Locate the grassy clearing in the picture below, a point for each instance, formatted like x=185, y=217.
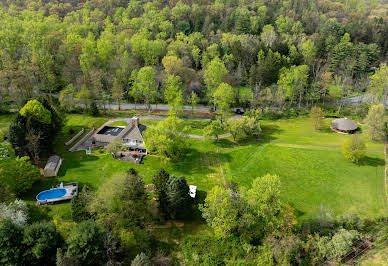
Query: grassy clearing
x=313, y=171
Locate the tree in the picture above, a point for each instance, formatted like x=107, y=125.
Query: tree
x=114, y=147
x=354, y=149
x=172, y=65
x=18, y=174
x=167, y=139
x=378, y=87
x=178, y=197
x=86, y=243
x=173, y=95
x=219, y=211
x=78, y=205
x=317, y=116
x=193, y=101
x=268, y=35
x=375, y=122
x=134, y=199
x=263, y=199
x=236, y=128
x=214, y=74
x=16, y=211
x=160, y=180
x=214, y=129
x=145, y=85
x=294, y=81
x=33, y=110
x=141, y=260
x=11, y=245
x=41, y=240
x=117, y=92
x=223, y=98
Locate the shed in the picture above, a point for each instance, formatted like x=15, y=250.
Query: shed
x=344, y=125
x=52, y=167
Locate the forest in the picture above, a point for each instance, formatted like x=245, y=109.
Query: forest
x=262, y=177
x=274, y=53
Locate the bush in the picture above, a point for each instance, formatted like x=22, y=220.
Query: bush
x=354, y=149
x=11, y=248
x=86, y=243
x=141, y=260
x=78, y=205
x=41, y=240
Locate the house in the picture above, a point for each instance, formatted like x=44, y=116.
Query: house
x=52, y=166
x=343, y=125
x=131, y=135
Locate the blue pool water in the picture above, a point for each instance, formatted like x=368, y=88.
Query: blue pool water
x=51, y=194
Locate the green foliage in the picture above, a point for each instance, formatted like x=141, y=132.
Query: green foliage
x=173, y=95
x=223, y=98
x=376, y=122
x=378, y=87
x=18, y=174
x=214, y=129
x=167, y=139
x=78, y=205
x=317, y=117
x=141, y=260
x=145, y=85
x=41, y=240
x=214, y=74
x=160, y=180
x=34, y=111
x=86, y=243
x=179, y=205
x=354, y=149
x=11, y=247
x=220, y=212
x=294, y=82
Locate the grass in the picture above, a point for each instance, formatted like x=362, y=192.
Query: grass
x=312, y=169
x=5, y=121
x=118, y=124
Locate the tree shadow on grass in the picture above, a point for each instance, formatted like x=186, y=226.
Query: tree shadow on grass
x=372, y=161
x=196, y=162
x=266, y=136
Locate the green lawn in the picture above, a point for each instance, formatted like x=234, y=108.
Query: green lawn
x=5, y=121
x=313, y=171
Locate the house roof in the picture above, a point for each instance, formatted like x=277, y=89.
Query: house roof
x=134, y=133
x=344, y=124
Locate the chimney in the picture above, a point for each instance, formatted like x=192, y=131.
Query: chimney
x=135, y=121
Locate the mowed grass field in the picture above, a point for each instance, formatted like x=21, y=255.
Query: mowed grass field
x=314, y=174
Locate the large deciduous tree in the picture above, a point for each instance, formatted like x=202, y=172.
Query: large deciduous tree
x=376, y=122
x=223, y=98
x=145, y=85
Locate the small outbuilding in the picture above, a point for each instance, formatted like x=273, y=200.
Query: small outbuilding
x=52, y=167
x=192, y=191
x=343, y=125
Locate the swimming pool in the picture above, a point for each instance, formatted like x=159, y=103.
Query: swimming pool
x=51, y=194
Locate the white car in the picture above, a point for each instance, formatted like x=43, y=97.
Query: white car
x=193, y=191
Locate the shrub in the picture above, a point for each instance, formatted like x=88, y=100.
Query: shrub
x=354, y=149
x=86, y=243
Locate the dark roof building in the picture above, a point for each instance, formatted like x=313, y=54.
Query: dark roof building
x=344, y=125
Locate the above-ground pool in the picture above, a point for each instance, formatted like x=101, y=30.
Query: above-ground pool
x=51, y=194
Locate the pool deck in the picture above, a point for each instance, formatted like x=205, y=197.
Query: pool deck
x=71, y=191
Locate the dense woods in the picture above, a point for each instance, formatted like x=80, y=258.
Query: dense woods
x=273, y=53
